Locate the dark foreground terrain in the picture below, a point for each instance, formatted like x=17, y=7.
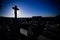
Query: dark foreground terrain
x=35, y=28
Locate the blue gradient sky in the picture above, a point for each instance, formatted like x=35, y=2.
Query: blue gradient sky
x=29, y=8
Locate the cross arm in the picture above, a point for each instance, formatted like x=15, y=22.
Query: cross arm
x=15, y=8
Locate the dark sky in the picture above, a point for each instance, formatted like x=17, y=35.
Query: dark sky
x=29, y=8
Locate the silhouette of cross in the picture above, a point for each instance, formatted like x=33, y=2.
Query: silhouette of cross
x=15, y=11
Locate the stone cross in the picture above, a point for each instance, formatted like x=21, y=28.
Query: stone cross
x=15, y=11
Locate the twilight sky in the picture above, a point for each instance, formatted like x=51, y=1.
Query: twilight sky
x=29, y=8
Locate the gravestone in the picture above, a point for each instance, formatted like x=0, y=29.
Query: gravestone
x=15, y=11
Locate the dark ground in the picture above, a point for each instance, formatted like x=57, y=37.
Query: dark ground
x=38, y=28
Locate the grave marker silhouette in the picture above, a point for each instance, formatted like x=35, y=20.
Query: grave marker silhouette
x=15, y=11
